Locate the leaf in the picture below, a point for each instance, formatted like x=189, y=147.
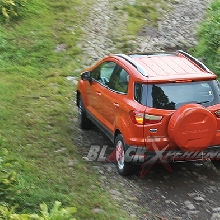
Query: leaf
x=5, y=181
x=44, y=209
x=35, y=216
x=14, y=13
x=56, y=207
x=71, y=210
x=4, y=12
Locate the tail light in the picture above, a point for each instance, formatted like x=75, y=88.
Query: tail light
x=142, y=119
x=217, y=113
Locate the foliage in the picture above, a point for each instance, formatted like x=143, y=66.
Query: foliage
x=10, y=8
x=56, y=213
x=7, y=176
x=37, y=110
x=209, y=38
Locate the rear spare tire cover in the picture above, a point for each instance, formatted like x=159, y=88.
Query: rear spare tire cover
x=192, y=127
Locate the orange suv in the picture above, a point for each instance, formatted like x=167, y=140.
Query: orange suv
x=153, y=102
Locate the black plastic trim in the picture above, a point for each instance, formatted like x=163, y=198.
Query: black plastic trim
x=133, y=63
x=196, y=61
x=105, y=130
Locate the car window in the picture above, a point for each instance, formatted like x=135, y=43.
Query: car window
x=172, y=96
x=103, y=72
x=119, y=80
x=138, y=92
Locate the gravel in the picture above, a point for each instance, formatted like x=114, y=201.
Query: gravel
x=177, y=28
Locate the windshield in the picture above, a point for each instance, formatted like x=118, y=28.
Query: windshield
x=174, y=95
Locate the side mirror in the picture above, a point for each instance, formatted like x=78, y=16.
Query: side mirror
x=86, y=76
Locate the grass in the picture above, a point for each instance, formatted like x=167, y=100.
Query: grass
x=141, y=13
x=36, y=108
x=144, y=13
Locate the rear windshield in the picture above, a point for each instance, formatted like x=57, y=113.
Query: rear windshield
x=174, y=95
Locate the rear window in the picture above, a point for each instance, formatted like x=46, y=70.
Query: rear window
x=172, y=96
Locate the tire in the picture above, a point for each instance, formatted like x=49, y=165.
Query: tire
x=124, y=168
x=84, y=122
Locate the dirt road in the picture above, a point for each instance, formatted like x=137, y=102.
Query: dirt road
x=189, y=191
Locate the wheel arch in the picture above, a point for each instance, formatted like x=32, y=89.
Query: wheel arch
x=121, y=127
x=117, y=132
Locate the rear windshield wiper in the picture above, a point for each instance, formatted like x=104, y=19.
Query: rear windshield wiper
x=202, y=102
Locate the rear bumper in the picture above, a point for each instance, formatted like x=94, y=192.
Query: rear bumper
x=139, y=154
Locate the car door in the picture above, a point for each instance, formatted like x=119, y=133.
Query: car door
x=115, y=96
x=96, y=89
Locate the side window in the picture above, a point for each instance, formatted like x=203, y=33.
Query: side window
x=119, y=80
x=96, y=73
x=138, y=92
x=103, y=72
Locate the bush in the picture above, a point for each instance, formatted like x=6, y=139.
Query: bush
x=209, y=38
x=56, y=213
x=8, y=182
x=10, y=8
x=7, y=176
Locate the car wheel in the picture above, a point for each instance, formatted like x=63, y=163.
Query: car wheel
x=124, y=168
x=84, y=122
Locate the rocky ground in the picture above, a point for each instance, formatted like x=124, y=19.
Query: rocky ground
x=176, y=28
x=190, y=191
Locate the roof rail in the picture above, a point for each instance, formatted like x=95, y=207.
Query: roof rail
x=133, y=63
x=196, y=61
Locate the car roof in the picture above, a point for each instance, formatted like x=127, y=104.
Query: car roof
x=167, y=65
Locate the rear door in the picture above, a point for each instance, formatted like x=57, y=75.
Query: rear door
x=115, y=97
x=164, y=100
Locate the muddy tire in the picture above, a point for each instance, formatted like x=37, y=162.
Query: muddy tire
x=124, y=168
x=84, y=122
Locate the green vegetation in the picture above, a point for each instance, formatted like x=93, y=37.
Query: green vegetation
x=7, y=176
x=145, y=12
x=10, y=8
x=37, y=52
x=56, y=213
x=209, y=38
x=140, y=13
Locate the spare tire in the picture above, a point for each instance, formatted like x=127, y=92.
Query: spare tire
x=192, y=127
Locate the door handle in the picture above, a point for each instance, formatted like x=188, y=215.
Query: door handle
x=99, y=93
x=116, y=105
